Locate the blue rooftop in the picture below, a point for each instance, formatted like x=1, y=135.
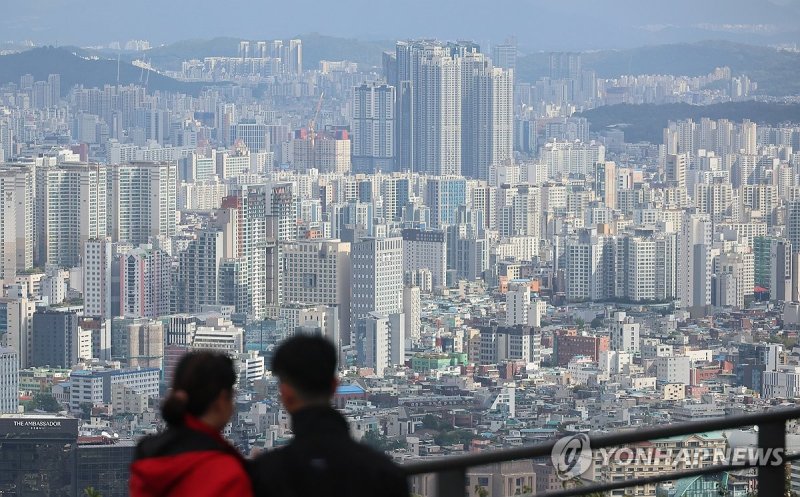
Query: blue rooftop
x=349, y=390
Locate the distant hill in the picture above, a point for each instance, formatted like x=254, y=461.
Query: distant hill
x=170, y=57
x=77, y=70
x=646, y=122
x=316, y=47
x=777, y=72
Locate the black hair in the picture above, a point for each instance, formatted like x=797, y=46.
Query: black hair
x=198, y=380
x=307, y=363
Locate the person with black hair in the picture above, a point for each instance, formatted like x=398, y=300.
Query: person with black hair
x=322, y=459
x=191, y=457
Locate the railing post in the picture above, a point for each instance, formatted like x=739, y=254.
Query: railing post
x=771, y=476
x=451, y=483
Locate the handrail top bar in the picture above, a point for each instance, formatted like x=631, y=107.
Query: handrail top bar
x=600, y=441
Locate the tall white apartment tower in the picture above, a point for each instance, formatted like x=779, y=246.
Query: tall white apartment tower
x=372, y=128
x=793, y=224
x=21, y=178
x=142, y=201
x=384, y=341
x=412, y=308
x=487, y=125
x=624, y=334
x=695, y=263
x=74, y=211
x=675, y=170
x=97, y=278
x=8, y=225
x=518, y=303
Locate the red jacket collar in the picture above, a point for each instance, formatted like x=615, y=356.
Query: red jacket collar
x=196, y=424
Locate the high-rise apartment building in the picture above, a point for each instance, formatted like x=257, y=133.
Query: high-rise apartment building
x=74, y=211
x=429, y=108
x=372, y=128
x=675, y=170
x=384, y=341
x=145, y=282
x=197, y=283
x=694, y=263
x=97, y=262
x=624, y=333
x=142, y=200
x=487, y=124
x=505, y=55
x=589, y=266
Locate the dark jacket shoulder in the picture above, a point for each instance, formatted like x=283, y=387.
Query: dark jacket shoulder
x=323, y=459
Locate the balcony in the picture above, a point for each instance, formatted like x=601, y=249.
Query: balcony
x=451, y=472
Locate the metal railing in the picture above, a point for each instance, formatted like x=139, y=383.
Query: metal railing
x=451, y=472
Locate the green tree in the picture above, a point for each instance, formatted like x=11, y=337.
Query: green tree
x=481, y=491
x=43, y=402
x=380, y=442
x=432, y=422
x=91, y=492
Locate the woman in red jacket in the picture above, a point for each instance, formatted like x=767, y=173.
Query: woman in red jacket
x=191, y=457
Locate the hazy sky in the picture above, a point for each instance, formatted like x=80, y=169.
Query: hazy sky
x=537, y=24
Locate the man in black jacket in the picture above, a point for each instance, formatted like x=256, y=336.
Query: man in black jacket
x=322, y=459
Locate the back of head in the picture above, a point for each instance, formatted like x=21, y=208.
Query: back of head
x=198, y=381
x=308, y=364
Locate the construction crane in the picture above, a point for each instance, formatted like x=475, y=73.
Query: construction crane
x=312, y=131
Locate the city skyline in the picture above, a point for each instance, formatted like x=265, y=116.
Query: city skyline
x=506, y=242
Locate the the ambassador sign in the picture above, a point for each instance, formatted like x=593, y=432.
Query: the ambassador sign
x=21, y=427
x=38, y=424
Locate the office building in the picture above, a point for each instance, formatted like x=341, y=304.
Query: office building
x=37, y=454
x=96, y=386
x=146, y=345
x=319, y=272
x=9, y=380
x=425, y=249
x=16, y=323
x=377, y=277
x=444, y=195
x=56, y=339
